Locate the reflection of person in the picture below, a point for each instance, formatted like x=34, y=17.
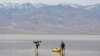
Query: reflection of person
x=36, y=54
x=37, y=44
x=62, y=46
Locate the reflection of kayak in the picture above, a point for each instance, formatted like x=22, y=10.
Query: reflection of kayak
x=56, y=50
x=56, y=53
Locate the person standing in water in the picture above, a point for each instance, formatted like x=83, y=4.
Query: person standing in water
x=37, y=44
x=62, y=46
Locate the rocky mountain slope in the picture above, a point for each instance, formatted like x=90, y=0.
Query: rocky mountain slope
x=31, y=18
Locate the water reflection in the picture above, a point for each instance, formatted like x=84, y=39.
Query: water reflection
x=36, y=53
x=59, y=53
x=48, y=53
x=63, y=53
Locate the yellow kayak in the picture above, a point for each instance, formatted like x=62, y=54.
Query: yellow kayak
x=56, y=50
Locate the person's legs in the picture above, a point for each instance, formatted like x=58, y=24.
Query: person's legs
x=36, y=47
x=62, y=47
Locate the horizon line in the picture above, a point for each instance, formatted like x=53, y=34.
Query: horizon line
x=50, y=37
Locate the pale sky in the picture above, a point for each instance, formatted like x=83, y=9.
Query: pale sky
x=82, y=2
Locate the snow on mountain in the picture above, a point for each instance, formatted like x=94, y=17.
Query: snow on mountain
x=90, y=7
x=75, y=5
x=13, y=5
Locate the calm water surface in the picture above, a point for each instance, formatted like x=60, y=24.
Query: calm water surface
x=47, y=52
x=26, y=48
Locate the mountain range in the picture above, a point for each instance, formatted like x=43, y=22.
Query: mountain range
x=69, y=19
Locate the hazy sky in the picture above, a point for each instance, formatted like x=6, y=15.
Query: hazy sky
x=82, y=2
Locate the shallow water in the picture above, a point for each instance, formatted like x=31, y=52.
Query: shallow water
x=26, y=48
x=47, y=52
